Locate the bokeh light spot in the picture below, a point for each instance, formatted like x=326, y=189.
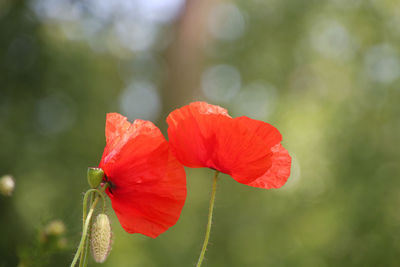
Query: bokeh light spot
x=226, y=22
x=382, y=63
x=135, y=35
x=331, y=39
x=220, y=83
x=160, y=10
x=256, y=100
x=21, y=54
x=54, y=114
x=140, y=100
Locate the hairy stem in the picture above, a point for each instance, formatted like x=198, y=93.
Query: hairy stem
x=84, y=232
x=85, y=250
x=209, y=223
x=82, y=248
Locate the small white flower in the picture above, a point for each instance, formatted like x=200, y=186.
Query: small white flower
x=7, y=185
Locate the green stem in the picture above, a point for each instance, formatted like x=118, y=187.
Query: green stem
x=84, y=232
x=86, y=222
x=85, y=250
x=210, y=214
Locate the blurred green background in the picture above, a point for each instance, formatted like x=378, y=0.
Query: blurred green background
x=325, y=73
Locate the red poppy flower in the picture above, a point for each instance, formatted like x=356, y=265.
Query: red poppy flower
x=204, y=135
x=147, y=183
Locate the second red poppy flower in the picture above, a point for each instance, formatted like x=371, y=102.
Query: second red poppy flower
x=204, y=135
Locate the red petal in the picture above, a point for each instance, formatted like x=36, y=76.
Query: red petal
x=279, y=172
x=191, y=132
x=248, y=154
x=204, y=135
x=117, y=133
x=149, y=184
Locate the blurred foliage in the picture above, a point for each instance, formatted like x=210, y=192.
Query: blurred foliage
x=325, y=73
x=45, y=249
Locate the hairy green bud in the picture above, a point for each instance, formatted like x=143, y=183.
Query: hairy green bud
x=101, y=238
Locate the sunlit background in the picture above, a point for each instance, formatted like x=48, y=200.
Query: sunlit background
x=325, y=73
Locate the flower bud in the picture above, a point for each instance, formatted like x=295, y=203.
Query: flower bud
x=101, y=238
x=7, y=185
x=55, y=228
x=95, y=176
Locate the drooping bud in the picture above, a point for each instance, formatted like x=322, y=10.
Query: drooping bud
x=101, y=238
x=7, y=185
x=95, y=176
